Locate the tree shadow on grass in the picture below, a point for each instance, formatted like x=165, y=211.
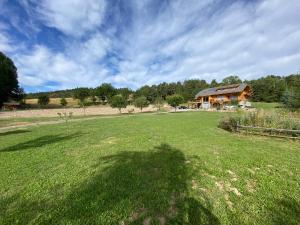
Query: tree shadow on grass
x=13, y=132
x=39, y=142
x=131, y=188
x=285, y=211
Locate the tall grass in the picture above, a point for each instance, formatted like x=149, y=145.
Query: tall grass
x=261, y=118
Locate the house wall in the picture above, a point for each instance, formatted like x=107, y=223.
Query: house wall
x=226, y=98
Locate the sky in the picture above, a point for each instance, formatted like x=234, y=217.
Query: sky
x=60, y=44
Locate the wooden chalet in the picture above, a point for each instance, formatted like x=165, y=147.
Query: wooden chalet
x=10, y=105
x=218, y=97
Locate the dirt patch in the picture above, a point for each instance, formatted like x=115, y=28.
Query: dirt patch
x=93, y=110
x=226, y=188
x=162, y=220
x=251, y=186
x=147, y=221
x=220, y=185
x=135, y=216
x=110, y=140
x=172, y=211
x=194, y=184
x=251, y=171
x=228, y=202
x=235, y=191
x=209, y=175
x=232, y=175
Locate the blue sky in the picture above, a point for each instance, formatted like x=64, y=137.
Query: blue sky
x=58, y=44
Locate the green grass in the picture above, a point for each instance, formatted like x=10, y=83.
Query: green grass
x=6, y=122
x=13, y=121
x=266, y=105
x=177, y=167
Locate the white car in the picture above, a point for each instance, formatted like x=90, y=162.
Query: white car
x=230, y=107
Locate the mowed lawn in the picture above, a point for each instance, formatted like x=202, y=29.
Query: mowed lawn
x=175, y=168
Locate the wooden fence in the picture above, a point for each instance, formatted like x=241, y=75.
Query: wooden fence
x=270, y=132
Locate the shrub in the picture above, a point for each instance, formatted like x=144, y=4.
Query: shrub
x=229, y=124
x=43, y=100
x=141, y=102
x=291, y=99
x=118, y=101
x=276, y=120
x=63, y=102
x=174, y=100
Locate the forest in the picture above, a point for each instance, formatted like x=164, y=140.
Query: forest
x=270, y=88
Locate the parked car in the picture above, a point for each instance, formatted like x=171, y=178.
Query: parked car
x=229, y=107
x=182, y=107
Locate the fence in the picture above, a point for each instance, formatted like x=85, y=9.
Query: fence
x=271, y=132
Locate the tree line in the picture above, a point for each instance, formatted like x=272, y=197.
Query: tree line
x=267, y=89
x=271, y=88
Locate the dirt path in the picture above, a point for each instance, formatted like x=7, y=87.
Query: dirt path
x=89, y=111
x=36, y=124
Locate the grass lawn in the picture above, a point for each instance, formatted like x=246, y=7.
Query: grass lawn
x=266, y=105
x=6, y=122
x=175, y=168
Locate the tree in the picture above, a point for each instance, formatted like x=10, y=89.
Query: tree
x=291, y=99
x=118, y=101
x=141, y=102
x=94, y=99
x=82, y=94
x=125, y=92
x=159, y=103
x=231, y=80
x=213, y=83
x=43, y=100
x=63, y=102
x=174, y=100
x=105, y=91
x=191, y=87
x=9, y=87
x=149, y=92
x=268, y=89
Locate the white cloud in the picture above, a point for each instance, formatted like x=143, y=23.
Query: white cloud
x=172, y=41
x=241, y=39
x=5, y=42
x=42, y=66
x=73, y=17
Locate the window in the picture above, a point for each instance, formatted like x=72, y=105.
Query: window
x=220, y=97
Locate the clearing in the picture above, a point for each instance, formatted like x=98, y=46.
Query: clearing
x=174, y=168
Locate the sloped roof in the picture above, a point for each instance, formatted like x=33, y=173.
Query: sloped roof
x=228, y=89
x=11, y=103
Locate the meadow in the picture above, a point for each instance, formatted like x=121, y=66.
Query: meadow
x=172, y=168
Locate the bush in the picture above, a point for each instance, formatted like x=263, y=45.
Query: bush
x=141, y=102
x=229, y=124
x=63, y=102
x=291, y=99
x=174, y=100
x=276, y=120
x=118, y=101
x=43, y=100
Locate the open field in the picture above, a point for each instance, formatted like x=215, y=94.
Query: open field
x=53, y=102
x=89, y=111
x=175, y=168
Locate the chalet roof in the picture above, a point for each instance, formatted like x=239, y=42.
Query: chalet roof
x=228, y=89
x=11, y=103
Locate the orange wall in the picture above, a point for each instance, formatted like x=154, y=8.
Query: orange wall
x=243, y=96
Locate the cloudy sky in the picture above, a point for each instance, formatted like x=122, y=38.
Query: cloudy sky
x=58, y=44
